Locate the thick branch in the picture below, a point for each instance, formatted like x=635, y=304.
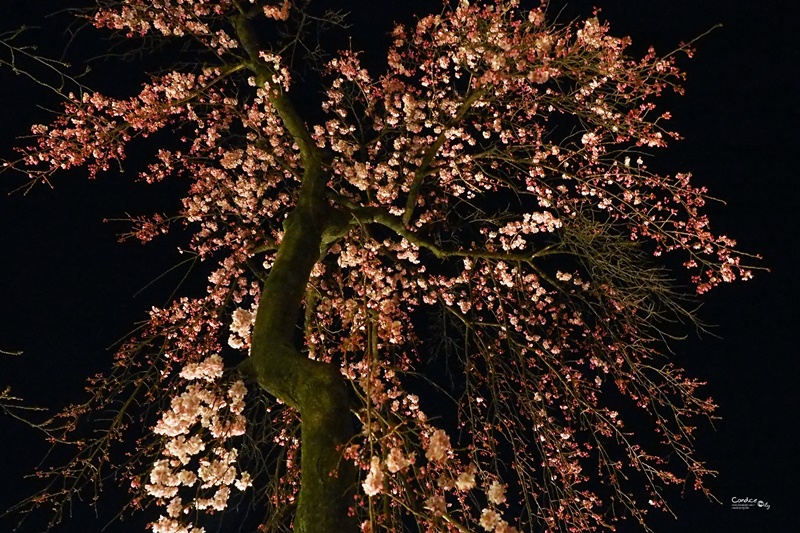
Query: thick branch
x=369, y=215
x=264, y=74
x=427, y=159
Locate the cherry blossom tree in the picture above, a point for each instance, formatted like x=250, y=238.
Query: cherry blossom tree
x=485, y=199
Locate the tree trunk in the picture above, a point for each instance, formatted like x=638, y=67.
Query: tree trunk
x=316, y=389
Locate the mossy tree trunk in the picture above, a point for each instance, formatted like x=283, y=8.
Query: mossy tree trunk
x=318, y=390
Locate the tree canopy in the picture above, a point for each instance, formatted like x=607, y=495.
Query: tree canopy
x=440, y=301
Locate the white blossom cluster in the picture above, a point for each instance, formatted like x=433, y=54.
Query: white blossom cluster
x=241, y=327
x=438, y=447
x=396, y=461
x=438, y=450
x=512, y=235
x=202, y=412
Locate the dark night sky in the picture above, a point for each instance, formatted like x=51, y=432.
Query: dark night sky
x=67, y=288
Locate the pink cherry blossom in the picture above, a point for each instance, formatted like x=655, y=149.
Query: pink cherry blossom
x=373, y=484
x=438, y=446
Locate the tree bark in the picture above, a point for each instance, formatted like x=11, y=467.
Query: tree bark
x=316, y=389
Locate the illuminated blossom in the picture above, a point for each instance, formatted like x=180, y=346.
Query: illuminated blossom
x=489, y=519
x=210, y=369
x=436, y=504
x=241, y=325
x=466, y=480
x=496, y=493
x=396, y=461
x=438, y=446
x=373, y=483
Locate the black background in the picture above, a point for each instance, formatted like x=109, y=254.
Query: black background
x=67, y=288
